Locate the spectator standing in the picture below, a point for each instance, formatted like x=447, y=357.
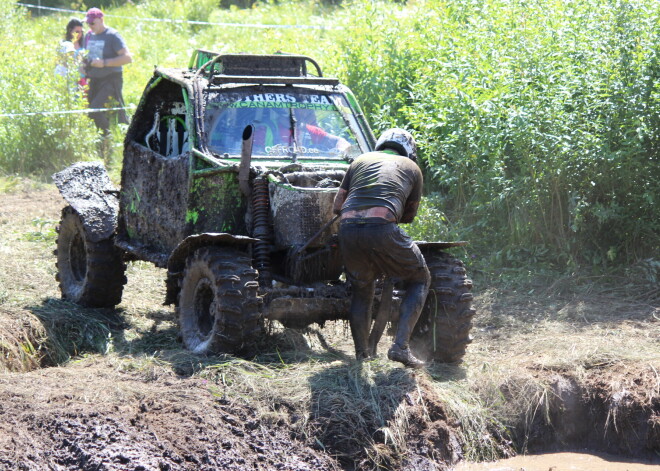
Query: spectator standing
x=107, y=53
x=71, y=53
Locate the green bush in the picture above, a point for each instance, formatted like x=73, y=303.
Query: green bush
x=537, y=121
x=72, y=5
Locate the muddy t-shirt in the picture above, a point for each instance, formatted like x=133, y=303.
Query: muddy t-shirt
x=104, y=46
x=382, y=179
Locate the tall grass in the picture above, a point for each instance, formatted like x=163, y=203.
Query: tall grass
x=537, y=121
x=36, y=144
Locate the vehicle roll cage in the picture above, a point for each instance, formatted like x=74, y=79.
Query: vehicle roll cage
x=257, y=69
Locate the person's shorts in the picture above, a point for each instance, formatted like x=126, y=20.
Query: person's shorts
x=372, y=247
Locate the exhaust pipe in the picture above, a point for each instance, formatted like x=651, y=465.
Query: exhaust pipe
x=246, y=159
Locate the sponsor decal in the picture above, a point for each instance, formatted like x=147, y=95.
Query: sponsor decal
x=281, y=100
x=287, y=98
x=281, y=149
x=279, y=104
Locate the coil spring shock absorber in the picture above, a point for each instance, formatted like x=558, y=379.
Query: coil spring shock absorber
x=261, y=230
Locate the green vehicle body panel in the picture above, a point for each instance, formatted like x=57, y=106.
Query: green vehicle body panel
x=169, y=195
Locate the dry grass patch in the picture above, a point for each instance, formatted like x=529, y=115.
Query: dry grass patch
x=21, y=339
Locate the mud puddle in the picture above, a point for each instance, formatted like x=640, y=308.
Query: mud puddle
x=562, y=462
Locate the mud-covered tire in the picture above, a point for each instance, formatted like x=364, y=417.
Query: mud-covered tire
x=442, y=332
x=219, y=309
x=91, y=274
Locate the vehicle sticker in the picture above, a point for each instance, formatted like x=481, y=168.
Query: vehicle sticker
x=281, y=104
x=287, y=98
x=279, y=100
x=281, y=149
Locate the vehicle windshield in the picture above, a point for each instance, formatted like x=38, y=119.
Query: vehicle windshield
x=306, y=125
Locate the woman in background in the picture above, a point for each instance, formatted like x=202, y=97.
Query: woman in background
x=71, y=53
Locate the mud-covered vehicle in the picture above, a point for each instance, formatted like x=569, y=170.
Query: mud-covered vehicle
x=229, y=174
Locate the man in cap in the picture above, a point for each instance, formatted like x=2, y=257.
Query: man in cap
x=107, y=53
x=380, y=190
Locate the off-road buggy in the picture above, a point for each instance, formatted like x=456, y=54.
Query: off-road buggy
x=229, y=174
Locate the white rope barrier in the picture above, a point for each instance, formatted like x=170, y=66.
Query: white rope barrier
x=167, y=20
x=47, y=113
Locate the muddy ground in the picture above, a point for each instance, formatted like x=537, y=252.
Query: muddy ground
x=551, y=368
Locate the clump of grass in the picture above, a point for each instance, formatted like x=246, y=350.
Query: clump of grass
x=13, y=183
x=483, y=432
x=367, y=414
x=277, y=391
x=9, y=183
x=44, y=231
x=356, y=416
x=71, y=330
x=21, y=338
x=150, y=367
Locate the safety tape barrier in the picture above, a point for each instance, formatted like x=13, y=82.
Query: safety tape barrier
x=192, y=22
x=46, y=113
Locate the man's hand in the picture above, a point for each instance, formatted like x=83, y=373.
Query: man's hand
x=339, y=200
x=123, y=58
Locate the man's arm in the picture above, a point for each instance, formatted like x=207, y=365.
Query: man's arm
x=339, y=200
x=409, y=212
x=319, y=135
x=124, y=57
x=412, y=203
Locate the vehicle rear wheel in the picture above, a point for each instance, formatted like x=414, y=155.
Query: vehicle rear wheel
x=91, y=274
x=219, y=310
x=443, y=330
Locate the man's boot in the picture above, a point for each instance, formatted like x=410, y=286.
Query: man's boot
x=404, y=355
x=360, y=319
x=360, y=339
x=411, y=308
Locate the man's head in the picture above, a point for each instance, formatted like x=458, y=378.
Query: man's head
x=94, y=19
x=400, y=141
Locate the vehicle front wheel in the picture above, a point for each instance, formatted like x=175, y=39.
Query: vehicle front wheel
x=91, y=274
x=219, y=310
x=443, y=330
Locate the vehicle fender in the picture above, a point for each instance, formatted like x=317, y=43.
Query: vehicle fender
x=177, y=260
x=432, y=246
x=86, y=186
x=428, y=248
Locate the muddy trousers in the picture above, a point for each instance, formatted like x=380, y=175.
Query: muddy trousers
x=106, y=92
x=372, y=247
x=360, y=315
x=360, y=318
